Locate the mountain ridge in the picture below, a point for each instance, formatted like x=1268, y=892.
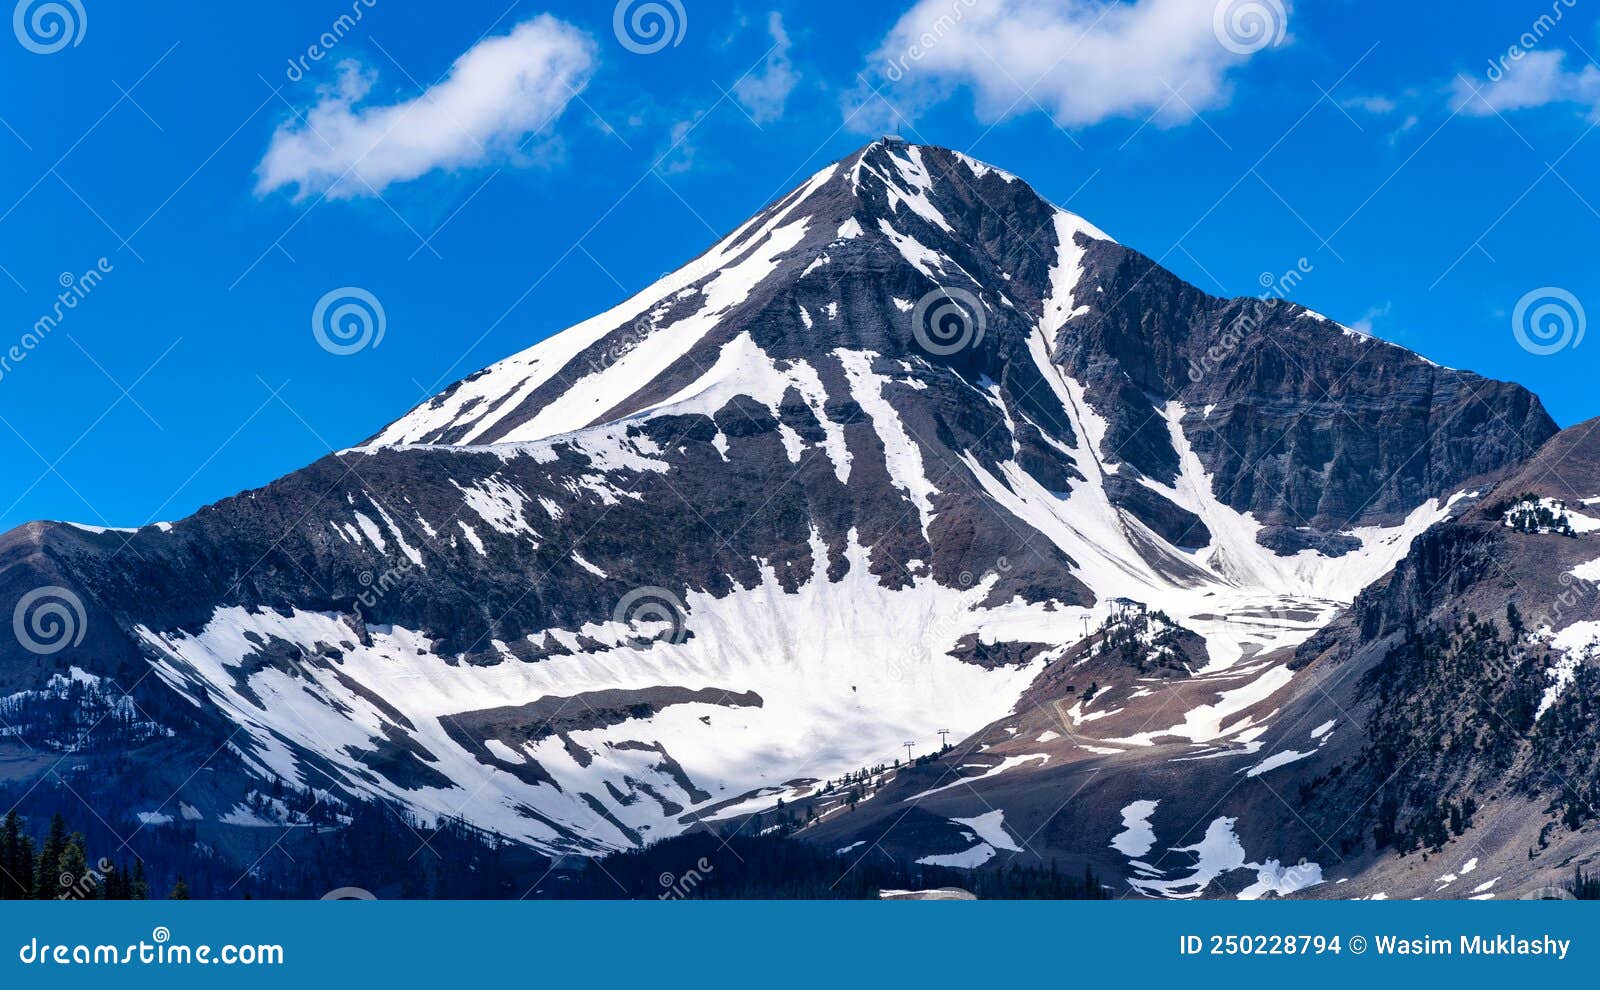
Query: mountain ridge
x=870, y=468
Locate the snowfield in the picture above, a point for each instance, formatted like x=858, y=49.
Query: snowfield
x=844, y=695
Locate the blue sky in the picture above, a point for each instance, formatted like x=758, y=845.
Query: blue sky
x=1431, y=174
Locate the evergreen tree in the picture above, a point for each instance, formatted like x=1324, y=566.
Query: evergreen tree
x=45, y=878
x=180, y=891
x=114, y=884
x=15, y=881
x=70, y=878
x=1584, y=887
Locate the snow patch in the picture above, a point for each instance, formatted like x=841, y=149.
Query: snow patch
x=902, y=455
x=991, y=828
x=1137, y=838
x=1219, y=853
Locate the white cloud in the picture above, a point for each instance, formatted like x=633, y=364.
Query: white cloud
x=764, y=93
x=679, y=154
x=1369, y=320
x=1388, y=108
x=1378, y=106
x=1536, y=79
x=1081, y=61
x=498, y=93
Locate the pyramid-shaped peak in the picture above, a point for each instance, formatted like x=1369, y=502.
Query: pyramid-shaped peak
x=923, y=176
x=910, y=218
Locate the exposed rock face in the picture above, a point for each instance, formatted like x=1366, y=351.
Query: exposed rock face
x=1450, y=712
x=858, y=474
x=1302, y=427
x=1478, y=662
x=1476, y=562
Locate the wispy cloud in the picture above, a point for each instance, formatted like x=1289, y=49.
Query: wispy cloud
x=764, y=93
x=1368, y=322
x=1376, y=105
x=500, y=92
x=1537, y=79
x=1400, y=114
x=1081, y=61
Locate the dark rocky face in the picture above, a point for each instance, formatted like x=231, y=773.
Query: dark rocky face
x=1435, y=740
x=861, y=472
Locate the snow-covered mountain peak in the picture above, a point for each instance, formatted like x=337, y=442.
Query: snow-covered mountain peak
x=871, y=467
x=928, y=218
x=908, y=174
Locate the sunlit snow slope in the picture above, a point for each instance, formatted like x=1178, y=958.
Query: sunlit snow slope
x=858, y=474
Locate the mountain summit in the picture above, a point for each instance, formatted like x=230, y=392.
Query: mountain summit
x=911, y=450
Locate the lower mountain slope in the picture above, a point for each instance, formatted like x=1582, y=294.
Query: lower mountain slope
x=1435, y=740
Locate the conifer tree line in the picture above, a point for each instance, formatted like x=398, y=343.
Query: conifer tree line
x=59, y=867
